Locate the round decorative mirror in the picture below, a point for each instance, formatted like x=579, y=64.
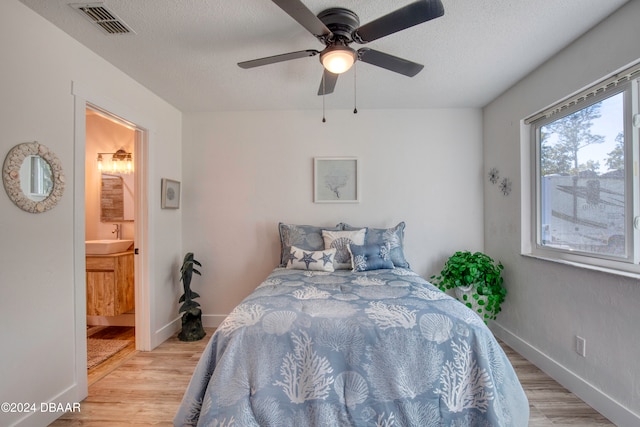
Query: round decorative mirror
x=33, y=177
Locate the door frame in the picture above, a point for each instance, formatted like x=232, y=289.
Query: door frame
x=83, y=99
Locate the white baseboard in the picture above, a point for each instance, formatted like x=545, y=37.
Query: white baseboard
x=173, y=327
x=601, y=402
x=68, y=398
x=166, y=332
x=212, y=320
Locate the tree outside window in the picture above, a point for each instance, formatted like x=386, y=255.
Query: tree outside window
x=582, y=180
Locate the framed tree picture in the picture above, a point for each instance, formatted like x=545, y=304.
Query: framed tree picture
x=336, y=180
x=170, y=194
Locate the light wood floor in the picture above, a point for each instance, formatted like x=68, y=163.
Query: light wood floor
x=550, y=404
x=147, y=388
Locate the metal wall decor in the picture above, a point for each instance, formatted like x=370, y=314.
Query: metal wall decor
x=505, y=183
x=494, y=175
x=505, y=186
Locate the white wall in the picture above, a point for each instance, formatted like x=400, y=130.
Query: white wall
x=38, y=266
x=549, y=304
x=243, y=172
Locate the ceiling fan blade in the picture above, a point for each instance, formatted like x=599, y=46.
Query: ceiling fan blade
x=405, y=17
x=278, y=58
x=389, y=62
x=328, y=83
x=298, y=11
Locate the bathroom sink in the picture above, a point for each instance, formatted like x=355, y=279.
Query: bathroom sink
x=105, y=247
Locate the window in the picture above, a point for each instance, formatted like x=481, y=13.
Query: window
x=585, y=184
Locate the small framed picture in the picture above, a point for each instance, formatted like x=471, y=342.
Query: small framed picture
x=336, y=180
x=170, y=194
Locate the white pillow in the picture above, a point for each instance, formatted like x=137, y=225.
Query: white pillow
x=340, y=240
x=302, y=259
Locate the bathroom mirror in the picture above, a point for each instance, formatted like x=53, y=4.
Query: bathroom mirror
x=116, y=199
x=33, y=177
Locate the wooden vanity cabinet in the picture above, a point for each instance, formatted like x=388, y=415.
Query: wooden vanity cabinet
x=110, y=284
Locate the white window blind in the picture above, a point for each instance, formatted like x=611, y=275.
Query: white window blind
x=623, y=76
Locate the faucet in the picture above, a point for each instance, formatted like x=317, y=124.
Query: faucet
x=117, y=231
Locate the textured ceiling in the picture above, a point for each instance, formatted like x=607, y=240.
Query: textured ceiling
x=186, y=51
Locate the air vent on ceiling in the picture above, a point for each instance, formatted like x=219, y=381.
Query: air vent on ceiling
x=99, y=15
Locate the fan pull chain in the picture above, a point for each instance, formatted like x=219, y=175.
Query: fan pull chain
x=355, y=96
x=323, y=94
x=323, y=118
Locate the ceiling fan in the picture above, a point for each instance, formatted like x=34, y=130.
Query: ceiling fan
x=337, y=28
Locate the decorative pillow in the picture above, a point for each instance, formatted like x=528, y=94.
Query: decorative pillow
x=300, y=259
x=379, y=236
x=340, y=240
x=370, y=257
x=306, y=237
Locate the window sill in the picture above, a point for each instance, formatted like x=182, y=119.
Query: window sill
x=608, y=270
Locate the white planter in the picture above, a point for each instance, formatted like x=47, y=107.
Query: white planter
x=461, y=291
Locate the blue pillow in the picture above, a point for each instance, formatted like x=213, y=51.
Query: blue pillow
x=379, y=236
x=370, y=257
x=307, y=237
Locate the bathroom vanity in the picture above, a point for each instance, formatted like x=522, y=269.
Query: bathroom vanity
x=110, y=284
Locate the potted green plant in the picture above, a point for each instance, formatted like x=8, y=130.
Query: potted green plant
x=477, y=281
x=192, y=329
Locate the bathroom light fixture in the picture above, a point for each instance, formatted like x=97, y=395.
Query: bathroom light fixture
x=338, y=58
x=121, y=162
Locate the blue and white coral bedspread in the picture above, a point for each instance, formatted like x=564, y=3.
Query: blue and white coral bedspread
x=378, y=348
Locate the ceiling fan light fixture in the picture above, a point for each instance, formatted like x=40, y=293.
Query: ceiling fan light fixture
x=337, y=59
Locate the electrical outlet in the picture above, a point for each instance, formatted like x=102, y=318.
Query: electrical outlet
x=581, y=346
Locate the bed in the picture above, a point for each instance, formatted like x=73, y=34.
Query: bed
x=371, y=345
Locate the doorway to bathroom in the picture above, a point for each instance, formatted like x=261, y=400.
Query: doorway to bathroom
x=111, y=222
